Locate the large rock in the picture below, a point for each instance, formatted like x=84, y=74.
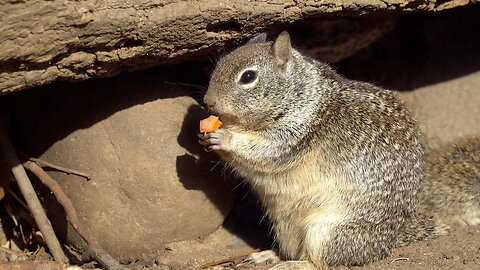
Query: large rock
x=137, y=140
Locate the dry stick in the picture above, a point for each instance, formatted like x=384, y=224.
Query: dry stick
x=43, y=163
x=229, y=259
x=29, y=194
x=10, y=251
x=400, y=259
x=20, y=201
x=100, y=255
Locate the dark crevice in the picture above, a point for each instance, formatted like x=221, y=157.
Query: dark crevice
x=225, y=27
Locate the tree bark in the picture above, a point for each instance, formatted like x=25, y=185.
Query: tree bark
x=42, y=41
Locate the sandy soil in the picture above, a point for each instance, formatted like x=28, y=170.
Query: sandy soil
x=458, y=250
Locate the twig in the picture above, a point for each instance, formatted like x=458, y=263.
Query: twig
x=10, y=251
x=43, y=163
x=20, y=201
x=229, y=259
x=100, y=255
x=400, y=259
x=23, y=213
x=22, y=234
x=29, y=193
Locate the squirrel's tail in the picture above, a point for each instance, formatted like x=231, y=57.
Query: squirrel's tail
x=451, y=187
x=450, y=190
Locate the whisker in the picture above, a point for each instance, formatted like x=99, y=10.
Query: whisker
x=213, y=61
x=214, y=166
x=241, y=182
x=186, y=84
x=198, y=93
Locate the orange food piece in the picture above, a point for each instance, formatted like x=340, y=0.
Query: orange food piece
x=210, y=124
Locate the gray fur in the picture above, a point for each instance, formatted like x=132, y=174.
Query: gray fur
x=336, y=163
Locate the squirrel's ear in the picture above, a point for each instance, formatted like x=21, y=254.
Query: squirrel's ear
x=282, y=50
x=260, y=38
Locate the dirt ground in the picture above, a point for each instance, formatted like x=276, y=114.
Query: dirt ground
x=245, y=232
x=458, y=250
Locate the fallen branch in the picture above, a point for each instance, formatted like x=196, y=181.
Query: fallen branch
x=100, y=255
x=29, y=194
x=83, y=39
x=43, y=164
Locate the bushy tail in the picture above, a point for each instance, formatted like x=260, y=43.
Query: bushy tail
x=450, y=190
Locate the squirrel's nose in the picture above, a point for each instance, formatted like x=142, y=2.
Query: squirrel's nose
x=209, y=101
x=211, y=105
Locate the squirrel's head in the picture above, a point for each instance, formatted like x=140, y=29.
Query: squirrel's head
x=249, y=85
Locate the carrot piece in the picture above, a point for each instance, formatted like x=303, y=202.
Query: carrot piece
x=210, y=124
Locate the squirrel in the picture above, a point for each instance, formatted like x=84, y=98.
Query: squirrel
x=340, y=166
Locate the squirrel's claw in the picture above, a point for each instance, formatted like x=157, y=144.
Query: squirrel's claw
x=212, y=141
x=262, y=257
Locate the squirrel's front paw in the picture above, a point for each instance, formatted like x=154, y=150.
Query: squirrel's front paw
x=216, y=140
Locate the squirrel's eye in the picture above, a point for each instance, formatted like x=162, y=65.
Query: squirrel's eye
x=248, y=76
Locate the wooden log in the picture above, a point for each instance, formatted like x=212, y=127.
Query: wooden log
x=42, y=41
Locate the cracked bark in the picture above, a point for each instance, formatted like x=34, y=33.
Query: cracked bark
x=42, y=41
